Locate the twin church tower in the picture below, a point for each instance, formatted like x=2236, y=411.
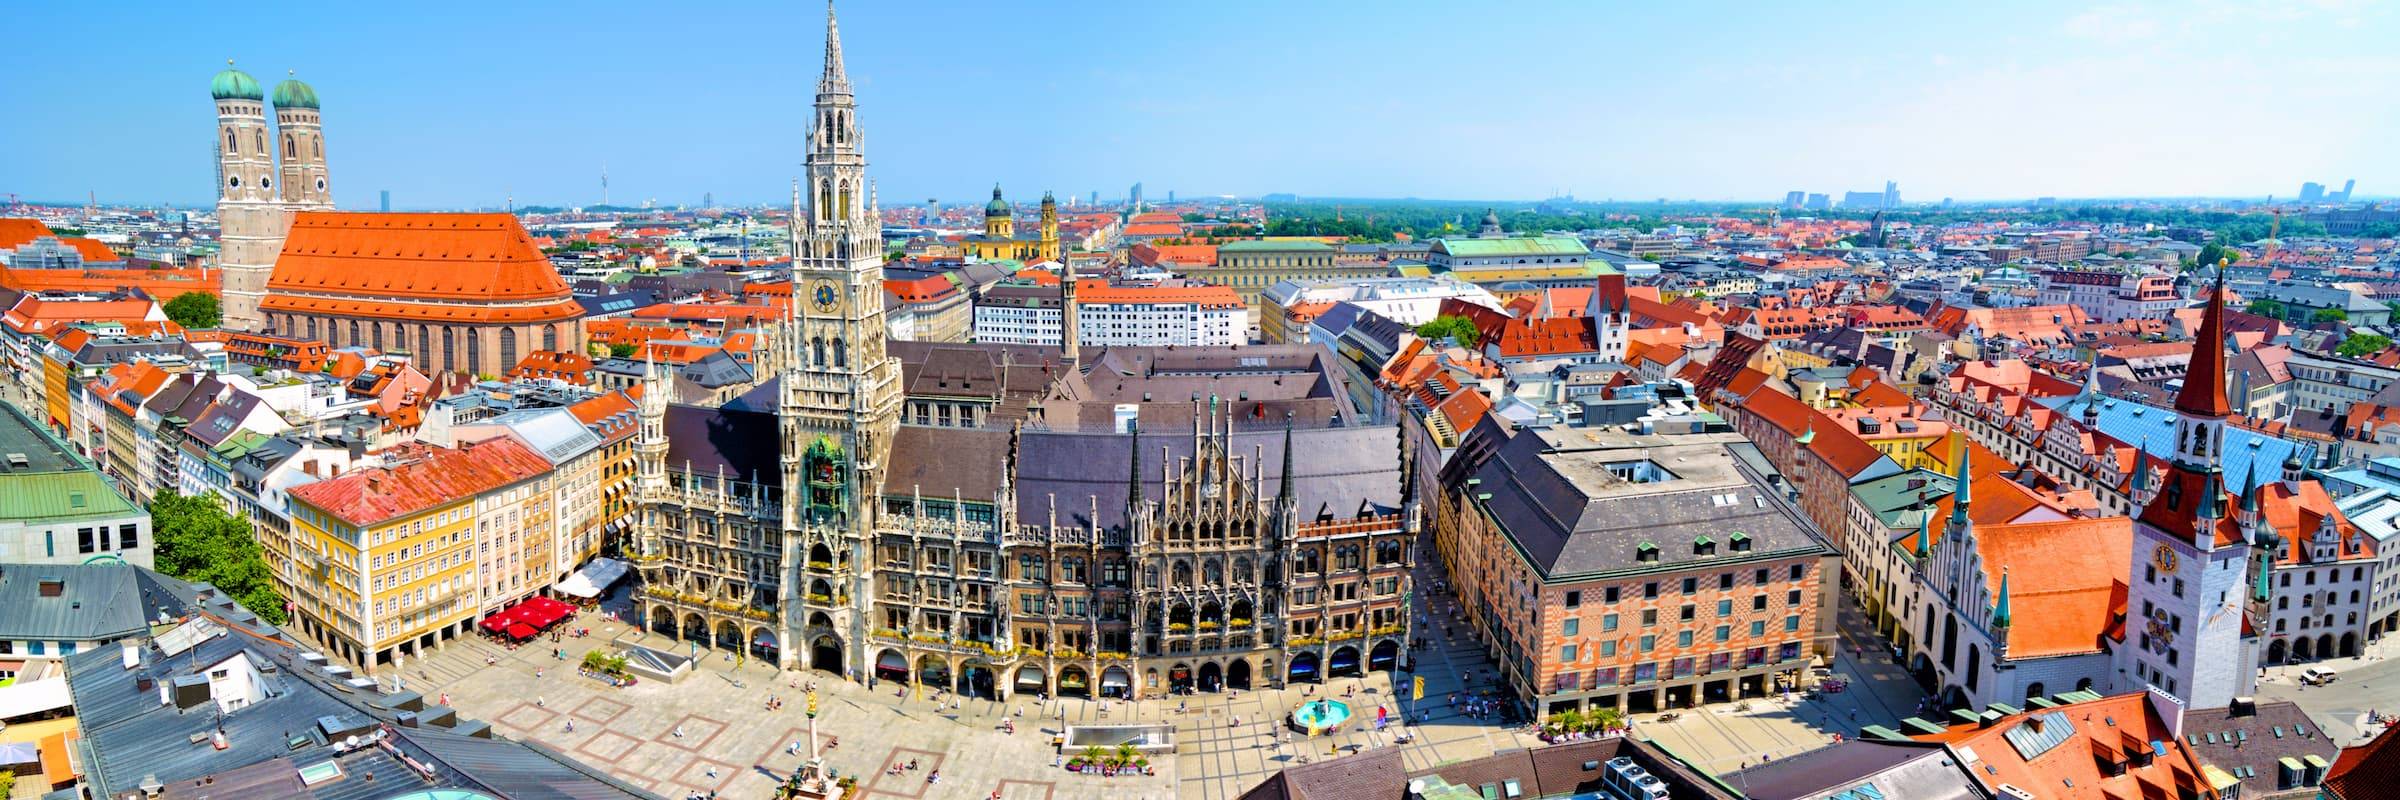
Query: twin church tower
x=263, y=176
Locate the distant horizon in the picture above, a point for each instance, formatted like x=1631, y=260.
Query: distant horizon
x=2237, y=99
x=1774, y=203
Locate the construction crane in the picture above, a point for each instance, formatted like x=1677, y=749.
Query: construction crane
x=2274, y=230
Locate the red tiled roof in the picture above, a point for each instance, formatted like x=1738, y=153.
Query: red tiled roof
x=19, y=230
x=1095, y=290
x=454, y=267
x=2369, y=771
x=422, y=477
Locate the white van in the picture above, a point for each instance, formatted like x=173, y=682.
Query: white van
x=2317, y=676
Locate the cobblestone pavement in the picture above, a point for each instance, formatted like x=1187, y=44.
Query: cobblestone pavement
x=712, y=730
x=1726, y=737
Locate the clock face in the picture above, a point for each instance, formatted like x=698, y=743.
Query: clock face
x=2164, y=558
x=824, y=296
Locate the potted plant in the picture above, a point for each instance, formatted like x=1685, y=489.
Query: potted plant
x=1094, y=756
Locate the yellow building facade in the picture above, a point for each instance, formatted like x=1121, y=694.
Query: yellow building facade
x=391, y=561
x=999, y=240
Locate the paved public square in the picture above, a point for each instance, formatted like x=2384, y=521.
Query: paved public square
x=2367, y=682
x=1226, y=743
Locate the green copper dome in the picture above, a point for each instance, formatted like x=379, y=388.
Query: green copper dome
x=998, y=207
x=293, y=94
x=234, y=84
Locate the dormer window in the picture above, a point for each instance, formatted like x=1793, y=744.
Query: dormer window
x=1646, y=553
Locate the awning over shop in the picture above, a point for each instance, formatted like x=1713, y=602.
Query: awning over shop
x=594, y=578
x=519, y=630
x=34, y=697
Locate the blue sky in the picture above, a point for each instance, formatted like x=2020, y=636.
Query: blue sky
x=452, y=105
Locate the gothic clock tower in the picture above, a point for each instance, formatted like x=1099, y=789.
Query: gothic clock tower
x=840, y=400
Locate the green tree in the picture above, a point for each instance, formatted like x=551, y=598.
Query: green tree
x=2210, y=254
x=1450, y=326
x=194, y=310
x=621, y=350
x=2324, y=315
x=198, y=541
x=2363, y=344
x=2266, y=308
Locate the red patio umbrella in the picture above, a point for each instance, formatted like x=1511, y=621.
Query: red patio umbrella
x=519, y=630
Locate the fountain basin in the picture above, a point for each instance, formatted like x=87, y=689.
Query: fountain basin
x=1320, y=715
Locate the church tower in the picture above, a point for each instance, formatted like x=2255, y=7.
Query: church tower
x=1049, y=245
x=250, y=221
x=840, y=392
x=2185, y=631
x=302, y=138
x=998, y=221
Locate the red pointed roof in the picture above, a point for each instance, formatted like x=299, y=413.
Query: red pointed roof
x=2203, y=392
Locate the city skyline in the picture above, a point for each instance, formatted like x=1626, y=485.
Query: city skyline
x=1725, y=112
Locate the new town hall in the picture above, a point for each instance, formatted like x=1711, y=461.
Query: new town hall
x=990, y=518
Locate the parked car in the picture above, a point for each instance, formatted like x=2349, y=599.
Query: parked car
x=2317, y=676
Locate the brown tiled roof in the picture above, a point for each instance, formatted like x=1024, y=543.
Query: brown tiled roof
x=454, y=267
x=2369, y=771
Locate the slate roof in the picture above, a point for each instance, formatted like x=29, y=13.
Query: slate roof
x=2153, y=429
x=1551, y=771
x=129, y=736
x=2239, y=736
x=1335, y=470
x=942, y=462
x=98, y=602
x=1567, y=515
x=740, y=441
x=1912, y=770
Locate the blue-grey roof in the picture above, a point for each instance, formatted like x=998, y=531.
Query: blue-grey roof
x=619, y=303
x=554, y=432
x=2153, y=429
x=1335, y=470
x=96, y=602
x=296, y=719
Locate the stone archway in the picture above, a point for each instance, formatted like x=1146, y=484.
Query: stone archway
x=729, y=636
x=1032, y=680
x=2349, y=645
x=765, y=645
x=1237, y=674
x=2302, y=647
x=933, y=670
x=975, y=679
x=1074, y=682
x=890, y=665
x=2033, y=690
x=1212, y=677
x=1116, y=682
x=825, y=653
x=1179, y=678
x=695, y=628
x=1304, y=668
x=1343, y=663
x=2277, y=651
x=662, y=621
x=1385, y=656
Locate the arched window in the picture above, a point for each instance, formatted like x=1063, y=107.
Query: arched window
x=291, y=149
x=508, y=348
x=317, y=147
x=259, y=138
x=1183, y=573
x=424, y=343
x=233, y=146
x=841, y=353
x=824, y=199
x=355, y=339
x=845, y=200
x=550, y=337
x=818, y=346
x=375, y=332
x=1212, y=572
x=449, y=346
x=474, y=361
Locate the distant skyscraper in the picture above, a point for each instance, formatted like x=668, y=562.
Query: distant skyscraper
x=1795, y=199
x=1095, y=203
x=1133, y=197
x=2347, y=187
x=383, y=201
x=1891, y=194
x=2311, y=192
x=1170, y=196
x=1817, y=201
x=1862, y=200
